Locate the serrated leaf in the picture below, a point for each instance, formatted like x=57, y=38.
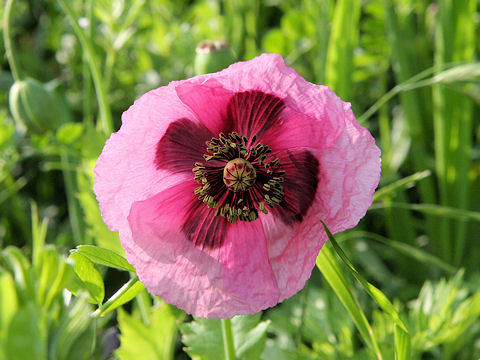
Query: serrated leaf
x=203, y=337
x=88, y=278
x=156, y=341
x=105, y=257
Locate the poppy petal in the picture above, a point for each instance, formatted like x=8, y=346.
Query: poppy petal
x=209, y=102
x=300, y=184
x=235, y=278
x=182, y=145
x=254, y=112
x=126, y=171
x=269, y=74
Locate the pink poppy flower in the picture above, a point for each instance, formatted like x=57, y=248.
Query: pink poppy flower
x=217, y=185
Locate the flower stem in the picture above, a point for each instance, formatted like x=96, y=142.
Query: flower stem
x=7, y=38
x=228, y=339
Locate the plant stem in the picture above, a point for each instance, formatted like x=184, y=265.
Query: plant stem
x=74, y=210
x=7, y=38
x=87, y=77
x=105, y=113
x=228, y=346
x=103, y=309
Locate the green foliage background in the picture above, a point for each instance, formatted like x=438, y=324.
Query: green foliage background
x=410, y=69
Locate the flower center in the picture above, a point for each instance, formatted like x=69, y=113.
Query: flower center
x=239, y=178
x=239, y=175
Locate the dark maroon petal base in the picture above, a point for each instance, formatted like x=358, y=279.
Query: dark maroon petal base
x=254, y=112
x=203, y=228
x=182, y=145
x=300, y=185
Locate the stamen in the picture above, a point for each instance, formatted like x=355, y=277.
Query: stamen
x=240, y=177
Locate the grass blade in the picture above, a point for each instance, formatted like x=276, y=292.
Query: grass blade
x=343, y=39
x=334, y=276
x=402, y=344
x=375, y=293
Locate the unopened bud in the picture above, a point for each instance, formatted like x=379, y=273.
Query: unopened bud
x=212, y=56
x=34, y=106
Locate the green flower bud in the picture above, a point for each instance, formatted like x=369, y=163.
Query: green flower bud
x=34, y=106
x=212, y=56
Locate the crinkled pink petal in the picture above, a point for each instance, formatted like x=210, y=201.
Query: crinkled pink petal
x=268, y=73
x=348, y=176
x=125, y=171
x=209, y=103
x=234, y=279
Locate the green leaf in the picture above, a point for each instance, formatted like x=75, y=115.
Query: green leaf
x=156, y=341
x=8, y=307
x=203, y=337
x=69, y=133
x=48, y=269
x=334, y=276
x=103, y=256
x=402, y=344
x=74, y=334
x=432, y=209
x=341, y=45
x=375, y=293
x=126, y=293
x=405, y=249
x=88, y=278
x=19, y=266
x=401, y=184
x=27, y=335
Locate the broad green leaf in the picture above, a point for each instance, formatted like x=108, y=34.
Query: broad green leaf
x=156, y=340
x=103, y=256
x=334, y=276
x=88, y=278
x=126, y=293
x=203, y=337
x=27, y=335
x=375, y=293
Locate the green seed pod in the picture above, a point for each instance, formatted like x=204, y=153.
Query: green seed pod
x=212, y=56
x=34, y=106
